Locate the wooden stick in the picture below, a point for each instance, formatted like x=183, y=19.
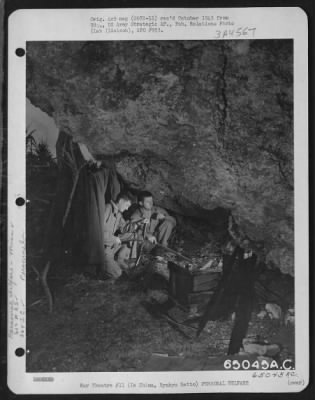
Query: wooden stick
x=208, y=264
x=40, y=200
x=36, y=271
x=46, y=287
x=183, y=308
x=161, y=246
x=174, y=252
x=74, y=186
x=142, y=246
x=35, y=302
x=175, y=325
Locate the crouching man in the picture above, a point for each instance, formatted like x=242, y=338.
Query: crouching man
x=158, y=224
x=116, y=253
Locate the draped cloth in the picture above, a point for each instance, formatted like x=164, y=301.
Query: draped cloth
x=235, y=292
x=86, y=220
x=55, y=237
x=82, y=236
x=95, y=187
x=114, y=185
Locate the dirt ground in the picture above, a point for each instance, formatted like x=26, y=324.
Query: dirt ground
x=114, y=326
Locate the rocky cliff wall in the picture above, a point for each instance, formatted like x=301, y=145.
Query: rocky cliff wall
x=202, y=124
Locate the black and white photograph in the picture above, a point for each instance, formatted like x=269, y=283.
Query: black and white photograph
x=162, y=207
x=160, y=220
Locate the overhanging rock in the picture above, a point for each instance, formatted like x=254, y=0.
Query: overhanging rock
x=202, y=124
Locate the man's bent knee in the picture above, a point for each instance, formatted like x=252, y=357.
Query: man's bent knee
x=111, y=267
x=123, y=253
x=170, y=221
x=114, y=273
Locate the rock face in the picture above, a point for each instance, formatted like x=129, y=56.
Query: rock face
x=202, y=124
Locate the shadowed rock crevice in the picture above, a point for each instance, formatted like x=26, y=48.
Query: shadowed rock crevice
x=202, y=124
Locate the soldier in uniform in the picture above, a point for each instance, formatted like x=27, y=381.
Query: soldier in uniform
x=158, y=224
x=116, y=253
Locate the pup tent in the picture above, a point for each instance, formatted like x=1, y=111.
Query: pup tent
x=75, y=226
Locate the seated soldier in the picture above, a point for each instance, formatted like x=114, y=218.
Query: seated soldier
x=113, y=247
x=156, y=222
